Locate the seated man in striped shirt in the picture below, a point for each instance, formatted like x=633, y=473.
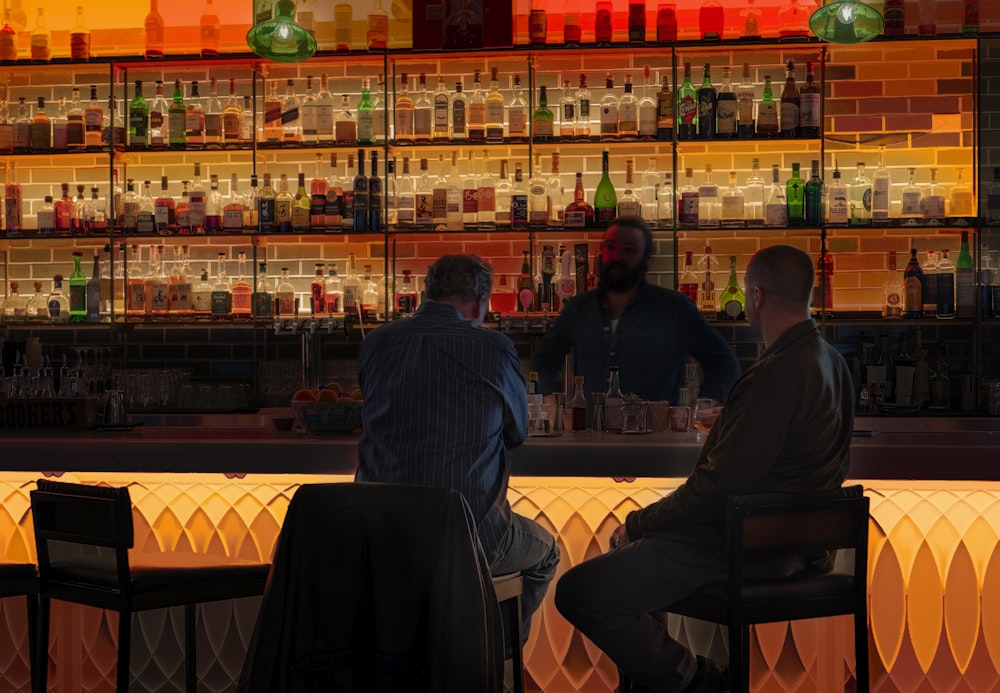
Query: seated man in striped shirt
x=445, y=402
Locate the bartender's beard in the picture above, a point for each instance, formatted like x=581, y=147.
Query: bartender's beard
x=619, y=277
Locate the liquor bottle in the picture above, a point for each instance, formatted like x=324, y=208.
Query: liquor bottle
x=64, y=210
x=517, y=115
x=687, y=284
x=726, y=108
x=78, y=223
x=647, y=109
x=711, y=20
x=291, y=123
x=666, y=210
x=272, y=132
x=537, y=23
x=733, y=299
x=665, y=111
x=791, y=108
x=519, y=200
x=197, y=203
x=583, y=126
x=666, y=21
x=403, y=114
x=345, y=127
x=567, y=113
x=424, y=199
x=40, y=130
x=261, y=298
x=194, y=120
x=603, y=23
x=213, y=117
x=894, y=14
x=927, y=25
x=157, y=284
x=201, y=297
x=146, y=217
x=965, y=284
x=222, y=296
x=322, y=117
x=629, y=204
x=92, y=291
x=628, y=113
x=648, y=192
x=609, y=111
x=751, y=21
x=283, y=206
x=637, y=22
x=579, y=213
x=470, y=195
x=138, y=118
x=300, y=206
x=706, y=106
x=525, y=290
x=153, y=30
x=41, y=39
x=378, y=27
x=767, y=111
x=46, y=218
x=459, y=107
x=361, y=197
x=547, y=271
x=911, y=196
x=77, y=290
x=913, y=288
x=232, y=212
x=343, y=19
x=707, y=264
x=135, y=294
x=733, y=205
x=22, y=128
x=543, y=120
x=477, y=111
x=838, y=210
x=494, y=110
x=566, y=284
x=376, y=199
x=776, y=206
x=809, y=105
x=814, y=197
x=317, y=292
x=688, y=206
x=241, y=291
x=961, y=201
x=486, y=198
x=881, y=191
x=687, y=107
x=793, y=21
x=441, y=108
x=405, y=198
x=232, y=118
x=892, y=289
x=35, y=308
x=439, y=197
x=538, y=197
x=709, y=207
x=57, y=302
x=944, y=308
x=423, y=113
x=861, y=198
x=210, y=30
x=605, y=199
x=8, y=38
x=308, y=112
x=795, y=195
x=932, y=202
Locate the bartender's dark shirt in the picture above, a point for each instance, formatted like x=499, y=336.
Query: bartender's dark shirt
x=656, y=333
x=786, y=427
x=444, y=401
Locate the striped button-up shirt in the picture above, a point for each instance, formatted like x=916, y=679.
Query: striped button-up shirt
x=444, y=401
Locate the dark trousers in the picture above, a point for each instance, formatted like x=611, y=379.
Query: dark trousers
x=529, y=548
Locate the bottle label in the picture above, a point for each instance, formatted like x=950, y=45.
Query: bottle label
x=290, y=117
x=422, y=121
x=137, y=121
x=568, y=112
x=486, y=201
x=776, y=214
x=911, y=204
x=458, y=118
x=222, y=302
x=494, y=112
x=404, y=209
x=687, y=110
x=365, y=131
x=609, y=119
x=543, y=127
x=732, y=207
x=789, y=116
x=517, y=122
x=213, y=126
x=145, y=222
x=424, y=209
x=726, y=116
x=647, y=120
x=194, y=123
x=265, y=211
x=518, y=210
x=55, y=310
x=880, y=199
x=575, y=219
x=231, y=127
x=689, y=208
x=585, y=109
x=628, y=117
x=912, y=289
x=175, y=122
x=470, y=201
x=933, y=206
x=767, y=117
x=809, y=110
x=232, y=219
x=77, y=298
x=136, y=296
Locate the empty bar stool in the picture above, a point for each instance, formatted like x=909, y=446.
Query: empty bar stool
x=84, y=535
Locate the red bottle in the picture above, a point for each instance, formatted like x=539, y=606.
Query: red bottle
x=636, y=21
x=711, y=20
x=603, y=24
x=666, y=22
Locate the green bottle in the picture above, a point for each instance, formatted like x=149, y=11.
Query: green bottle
x=767, y=111
x=175, y=118
x=965, y=281
x=543, y=120
x=77, y=291
x=138, y=119
x=687, y=107
x=366, y=115
x=814, y=197
x=605, y=199
x=795, y=193
x=733, y=299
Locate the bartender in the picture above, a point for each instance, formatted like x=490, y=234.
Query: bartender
x=647, y=331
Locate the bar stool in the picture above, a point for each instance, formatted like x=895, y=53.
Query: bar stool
x=382, y=587
x=509, y=588
x=21, y=580
x=84, y=534
x=780, y=524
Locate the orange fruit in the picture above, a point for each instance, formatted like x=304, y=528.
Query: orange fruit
x=304, y=396
x=335, y=386
x=327, y=396
x=356, y=394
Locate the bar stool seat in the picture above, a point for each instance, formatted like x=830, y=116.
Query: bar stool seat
x=84, y=536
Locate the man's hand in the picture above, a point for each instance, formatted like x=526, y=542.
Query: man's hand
x=619, y=537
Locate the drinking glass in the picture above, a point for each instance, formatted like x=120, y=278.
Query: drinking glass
x=680, y=419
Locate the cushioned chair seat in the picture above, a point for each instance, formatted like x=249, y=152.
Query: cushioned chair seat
x=18, y=579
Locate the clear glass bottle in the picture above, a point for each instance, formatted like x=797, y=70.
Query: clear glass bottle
x=517, y=115
x=709, y=205
x=881, y=191
x=79, y=37
x=584, y=127
x=613, y=401
x=486, y=199
x=733, y=205
x=459, y=110
x=41, y=39
x=213, y=117
x=495, y=107
x=861, y=198
x=961, y=199
x=609, y=111
x=211, y=29
x=776, y=206
x=629, y=204
x=440, y=126
x=291, y=122
x=403, y=113
x=628, y=113
x=423, y=114
x=58, y=303
x=932, y=202
x=666, y=209
x=688, y=204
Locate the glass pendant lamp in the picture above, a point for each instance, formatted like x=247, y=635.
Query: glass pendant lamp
x=846, y=21
x=280, y=38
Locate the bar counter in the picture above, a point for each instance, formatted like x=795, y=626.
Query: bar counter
x=221, y=485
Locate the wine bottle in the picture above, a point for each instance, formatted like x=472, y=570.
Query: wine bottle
x=912, y=288
x=733, y=298
x=605, y=199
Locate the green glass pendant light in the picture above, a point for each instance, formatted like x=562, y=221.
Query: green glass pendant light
x=846, y=21
x=280, y=38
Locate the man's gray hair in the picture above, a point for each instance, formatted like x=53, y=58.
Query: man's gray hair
x=464, y=277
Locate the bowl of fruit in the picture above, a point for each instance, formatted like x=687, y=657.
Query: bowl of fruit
x=328, y=409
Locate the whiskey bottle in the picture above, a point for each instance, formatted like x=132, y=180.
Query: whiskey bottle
x=194, y=120
x=609, y=111
x=893, y=289
x=647, y=108
x=242, y=291
x=519, y=200
x=709, y=207
x=543, y=120
x=459, y=109
x=579, y=213
x=138, y=118
x=628, y=113
x=838, y=211
x=688, y=203
x=272, y=132
x=707, y=264
x=423, y=114
x=583, y=125
x=494, y=110
x=814, y=197
x=861, y=198
x=232, y=118
x=477, y=111
x=403, y=114
x=790, y=104
x=726, y=108
x=442, y=110
x=300, y=206
x=687, y=284
x=517, y=115
x=913, y=288
x=213, y=117
x=291, y=123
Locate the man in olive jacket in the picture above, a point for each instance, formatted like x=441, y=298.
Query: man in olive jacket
x=786, y=427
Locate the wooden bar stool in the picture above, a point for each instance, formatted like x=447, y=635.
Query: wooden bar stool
x=84, y=535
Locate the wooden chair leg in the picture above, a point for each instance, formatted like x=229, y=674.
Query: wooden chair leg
x=41, y=662
x=739, y=658
x=190, y=650
x=861, y=651
x=124, y=650
x=517, y=655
